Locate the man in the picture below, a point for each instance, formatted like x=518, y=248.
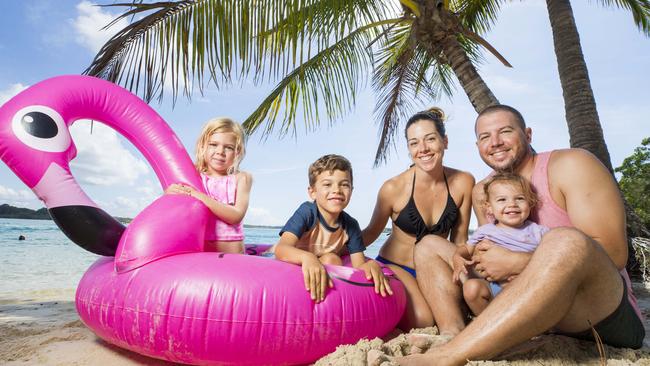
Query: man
x=575, y=279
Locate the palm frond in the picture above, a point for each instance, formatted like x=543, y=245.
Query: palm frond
x=401, y=78
x=476, y=15
x=312, y=26
x=640, y=10
x=329, y=79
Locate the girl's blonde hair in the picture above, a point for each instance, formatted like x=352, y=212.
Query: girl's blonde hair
x=220, y=125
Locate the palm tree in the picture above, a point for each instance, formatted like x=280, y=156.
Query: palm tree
x=582, y=117
x=579, y=103
x=321, y=51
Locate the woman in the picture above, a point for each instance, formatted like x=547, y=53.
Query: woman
x=426, y=199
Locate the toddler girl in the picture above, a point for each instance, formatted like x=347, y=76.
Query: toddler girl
x=509, y=200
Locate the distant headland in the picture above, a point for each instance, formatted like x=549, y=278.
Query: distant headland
x=10, y=212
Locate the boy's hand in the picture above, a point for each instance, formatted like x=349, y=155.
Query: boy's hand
x=373, y=271
x=460, y=268
x=316, y=278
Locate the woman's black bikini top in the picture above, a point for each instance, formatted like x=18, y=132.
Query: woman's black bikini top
x=410, y=221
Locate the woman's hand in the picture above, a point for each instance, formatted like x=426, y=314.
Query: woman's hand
x=316, y=277
x=373, y=271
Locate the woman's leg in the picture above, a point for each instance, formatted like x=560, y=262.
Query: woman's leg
x=434, y=267
x=417, y=314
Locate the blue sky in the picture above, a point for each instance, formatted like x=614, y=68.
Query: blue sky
x=41, y=39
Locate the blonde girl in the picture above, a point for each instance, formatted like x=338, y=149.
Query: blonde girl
x=219, y=150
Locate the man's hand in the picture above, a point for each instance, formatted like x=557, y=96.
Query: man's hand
x=316, y=278
x=460, y=268
x=495, y=263
x=373, y=271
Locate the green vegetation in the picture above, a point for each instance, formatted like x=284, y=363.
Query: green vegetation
x=11, y=212
x=635, y=181
x=318, y=52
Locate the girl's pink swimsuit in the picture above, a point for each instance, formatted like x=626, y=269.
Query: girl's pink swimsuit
x=222, y=189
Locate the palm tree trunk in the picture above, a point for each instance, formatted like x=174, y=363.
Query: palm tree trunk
x=436, y=30
x=477, y=91
x=582, y=118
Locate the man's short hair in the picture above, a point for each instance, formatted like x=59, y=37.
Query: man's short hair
x=505, y=108
x=329, y=162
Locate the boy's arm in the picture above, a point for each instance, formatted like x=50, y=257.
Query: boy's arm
x=461, y=259
x=373, y=272
x=314, y=274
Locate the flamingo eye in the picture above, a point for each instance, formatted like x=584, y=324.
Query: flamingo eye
x=41, y=128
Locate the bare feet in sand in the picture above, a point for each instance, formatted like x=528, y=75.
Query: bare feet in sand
x=421, y=343
x=376, y=358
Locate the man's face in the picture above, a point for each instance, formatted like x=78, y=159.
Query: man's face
x=501, y=142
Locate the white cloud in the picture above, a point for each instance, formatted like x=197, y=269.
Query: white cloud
x=89, y=23
x=10, y=92
x=19, y=198
x=261, y=216
x=508, y=84
x=101, y=157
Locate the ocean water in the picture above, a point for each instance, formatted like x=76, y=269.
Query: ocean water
x=47, y=262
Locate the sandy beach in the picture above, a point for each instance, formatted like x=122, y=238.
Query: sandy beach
x=42, y=328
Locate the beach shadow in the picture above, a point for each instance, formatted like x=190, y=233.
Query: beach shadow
x=131, y=356
x=23, y=311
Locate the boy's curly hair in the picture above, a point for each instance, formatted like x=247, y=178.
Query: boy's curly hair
x=329, y=162
x=514, y=179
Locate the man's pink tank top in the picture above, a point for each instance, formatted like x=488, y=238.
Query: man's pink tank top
x=549, y=214
x=224, y=190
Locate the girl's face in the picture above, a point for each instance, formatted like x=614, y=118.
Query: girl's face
x=425, y=144
x=221, y=152
x=508, y=204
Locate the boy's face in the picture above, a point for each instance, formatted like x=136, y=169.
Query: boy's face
x=332, y=191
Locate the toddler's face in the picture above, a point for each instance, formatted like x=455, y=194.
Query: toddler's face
x=508, y=204
x=332, y=191
x=221, y=152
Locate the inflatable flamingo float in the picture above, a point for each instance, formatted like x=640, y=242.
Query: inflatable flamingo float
x=155, y=291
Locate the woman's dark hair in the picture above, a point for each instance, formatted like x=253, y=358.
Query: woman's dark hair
x=434, y=114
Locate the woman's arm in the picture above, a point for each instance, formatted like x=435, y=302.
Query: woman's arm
x=381, y=214
x=459, y=232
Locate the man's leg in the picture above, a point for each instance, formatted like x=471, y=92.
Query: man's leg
x=568, y=283
x=433, y=264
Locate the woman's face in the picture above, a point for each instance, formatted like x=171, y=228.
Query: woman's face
x=425, y=144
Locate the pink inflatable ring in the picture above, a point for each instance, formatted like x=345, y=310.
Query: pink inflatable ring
x=161, y=295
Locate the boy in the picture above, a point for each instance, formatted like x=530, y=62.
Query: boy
x=319, y=231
